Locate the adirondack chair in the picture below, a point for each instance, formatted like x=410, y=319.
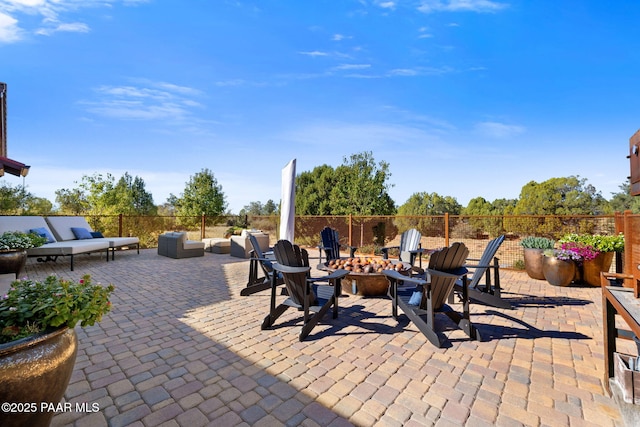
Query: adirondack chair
x=331, y=245
x=311, y=295
x=489, y=291
x=409, y=248
x=445, y=268
x=260, y=261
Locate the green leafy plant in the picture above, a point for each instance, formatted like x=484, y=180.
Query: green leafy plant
x=533, y=242
x=31, y=306
x=599, y=242
x=12, y=240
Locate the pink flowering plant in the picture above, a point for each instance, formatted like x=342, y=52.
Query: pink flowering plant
x=31, y=307
x=583, y=252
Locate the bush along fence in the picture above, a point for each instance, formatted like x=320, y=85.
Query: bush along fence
x=370, y=233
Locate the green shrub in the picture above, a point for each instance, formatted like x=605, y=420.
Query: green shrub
x=533, y=242
x=599, y=242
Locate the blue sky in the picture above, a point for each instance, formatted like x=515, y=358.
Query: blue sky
x=464, y=98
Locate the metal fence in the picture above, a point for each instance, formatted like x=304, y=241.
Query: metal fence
x=370, y=233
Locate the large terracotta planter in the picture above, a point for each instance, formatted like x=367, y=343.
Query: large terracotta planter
x=35, y=370
x=591, y=269
x=558, y=272
x=12, y=262
x=533, y=262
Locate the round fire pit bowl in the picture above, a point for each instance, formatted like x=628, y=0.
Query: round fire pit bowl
x=365, y=276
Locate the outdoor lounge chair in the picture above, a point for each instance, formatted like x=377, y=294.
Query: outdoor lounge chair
x=260, y=261
x=331, y=245
x=445, y=268
x=489, y=291
x=304, y=293
x=409, y=248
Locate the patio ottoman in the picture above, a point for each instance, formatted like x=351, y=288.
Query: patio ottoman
x=217, y=245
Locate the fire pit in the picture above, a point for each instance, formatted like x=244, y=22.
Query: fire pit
x=365, y=274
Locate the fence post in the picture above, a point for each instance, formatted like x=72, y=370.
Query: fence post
x=628, y=249
x=350, y=229
x=202, y=225
x=119, y=225
x=446, y=229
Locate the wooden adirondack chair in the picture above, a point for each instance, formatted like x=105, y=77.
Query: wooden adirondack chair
x=331, y=245
x=489, y=291
x=445, y=268
x=260, y=261
x=409, y=248
x=305, y=293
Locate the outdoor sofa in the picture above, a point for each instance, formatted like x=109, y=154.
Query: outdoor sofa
x=67, y=228
x=61, y=240
x=176, y=245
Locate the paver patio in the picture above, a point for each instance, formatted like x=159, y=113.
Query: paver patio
x=183, y=348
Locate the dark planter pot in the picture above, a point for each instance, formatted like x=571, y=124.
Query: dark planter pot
x=591, y=269
x=35, y=370
x=533, y=262
x=558, y=272
x=12, y=262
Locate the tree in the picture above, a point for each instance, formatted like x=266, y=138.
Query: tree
x=13, y=200
x=131, y=198
x=423, y=203
x=623, y=200
x=313, y=191
x=72, y=201
x=361, y=187
x=257, y=208
x=202, y=196
x=553, y=198
x=560, y=196
x=38, y=206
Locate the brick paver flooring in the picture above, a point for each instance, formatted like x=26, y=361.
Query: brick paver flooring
x=183, y=348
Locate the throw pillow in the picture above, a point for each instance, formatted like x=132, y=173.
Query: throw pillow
x=96, y=234
x=81, y=233
x=43, y=232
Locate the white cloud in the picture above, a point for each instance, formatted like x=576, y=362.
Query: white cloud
x=499, y=130
x=77, y=27
x=480, y=6
x=9, y=30
x=314, y=53
x=352, y=66
x=53, y=16
x=169, y=103
x=387, y=4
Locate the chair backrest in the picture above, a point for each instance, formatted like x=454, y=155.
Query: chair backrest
x=292, y=255
x=485, y=260
x=447, y=260
x=256, y=246
x=266, y=266
x=330, y=243
x=409, y=241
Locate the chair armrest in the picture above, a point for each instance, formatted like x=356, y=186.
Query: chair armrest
x=385, y=251
x=401, y=277
x=451, y=273
x=338, y=274
x=481, y=266
x=289, y=269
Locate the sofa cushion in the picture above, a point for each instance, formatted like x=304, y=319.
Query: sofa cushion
x=81, y=233
x=43, y=232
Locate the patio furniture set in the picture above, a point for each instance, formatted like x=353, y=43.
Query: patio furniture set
x=420, y=293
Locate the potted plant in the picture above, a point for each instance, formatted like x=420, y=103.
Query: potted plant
x=559, y=265
x=534, y=248
x=38, y=344
x=604, y=246
x=13, y=250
